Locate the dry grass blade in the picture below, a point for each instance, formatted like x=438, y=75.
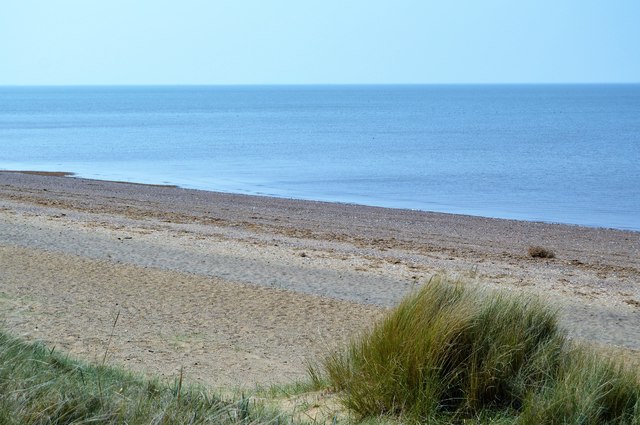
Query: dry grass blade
x=113, y=329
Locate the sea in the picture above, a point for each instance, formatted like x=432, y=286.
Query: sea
x=553, y=153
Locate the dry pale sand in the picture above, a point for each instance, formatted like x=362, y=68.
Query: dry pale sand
x=240, y=290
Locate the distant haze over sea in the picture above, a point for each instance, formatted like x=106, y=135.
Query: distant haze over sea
x=555, y=153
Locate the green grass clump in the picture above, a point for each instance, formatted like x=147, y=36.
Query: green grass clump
x=449, y=353
x=588, y=389
x=39, y=386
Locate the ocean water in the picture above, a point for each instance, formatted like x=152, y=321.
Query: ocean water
x=555, y=153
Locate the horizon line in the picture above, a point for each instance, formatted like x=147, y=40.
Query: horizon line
x=317, y=84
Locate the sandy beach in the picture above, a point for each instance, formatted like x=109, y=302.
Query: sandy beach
x=244, y=290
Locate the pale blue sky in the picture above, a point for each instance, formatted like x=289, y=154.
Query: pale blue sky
x=318, y=41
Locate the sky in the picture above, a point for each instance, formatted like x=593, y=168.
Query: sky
x=80, y=42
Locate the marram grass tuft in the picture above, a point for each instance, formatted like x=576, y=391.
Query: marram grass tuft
x=450, y=352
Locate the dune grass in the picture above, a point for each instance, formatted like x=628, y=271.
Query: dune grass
x=446, y=354
x=40, y=386
x=450, y=353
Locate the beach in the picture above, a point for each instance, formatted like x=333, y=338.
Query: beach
x=239, y=290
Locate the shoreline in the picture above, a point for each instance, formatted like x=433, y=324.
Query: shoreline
x=74, y=175
x=241, y=289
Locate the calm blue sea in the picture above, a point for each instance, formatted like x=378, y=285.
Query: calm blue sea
x=556, y=153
